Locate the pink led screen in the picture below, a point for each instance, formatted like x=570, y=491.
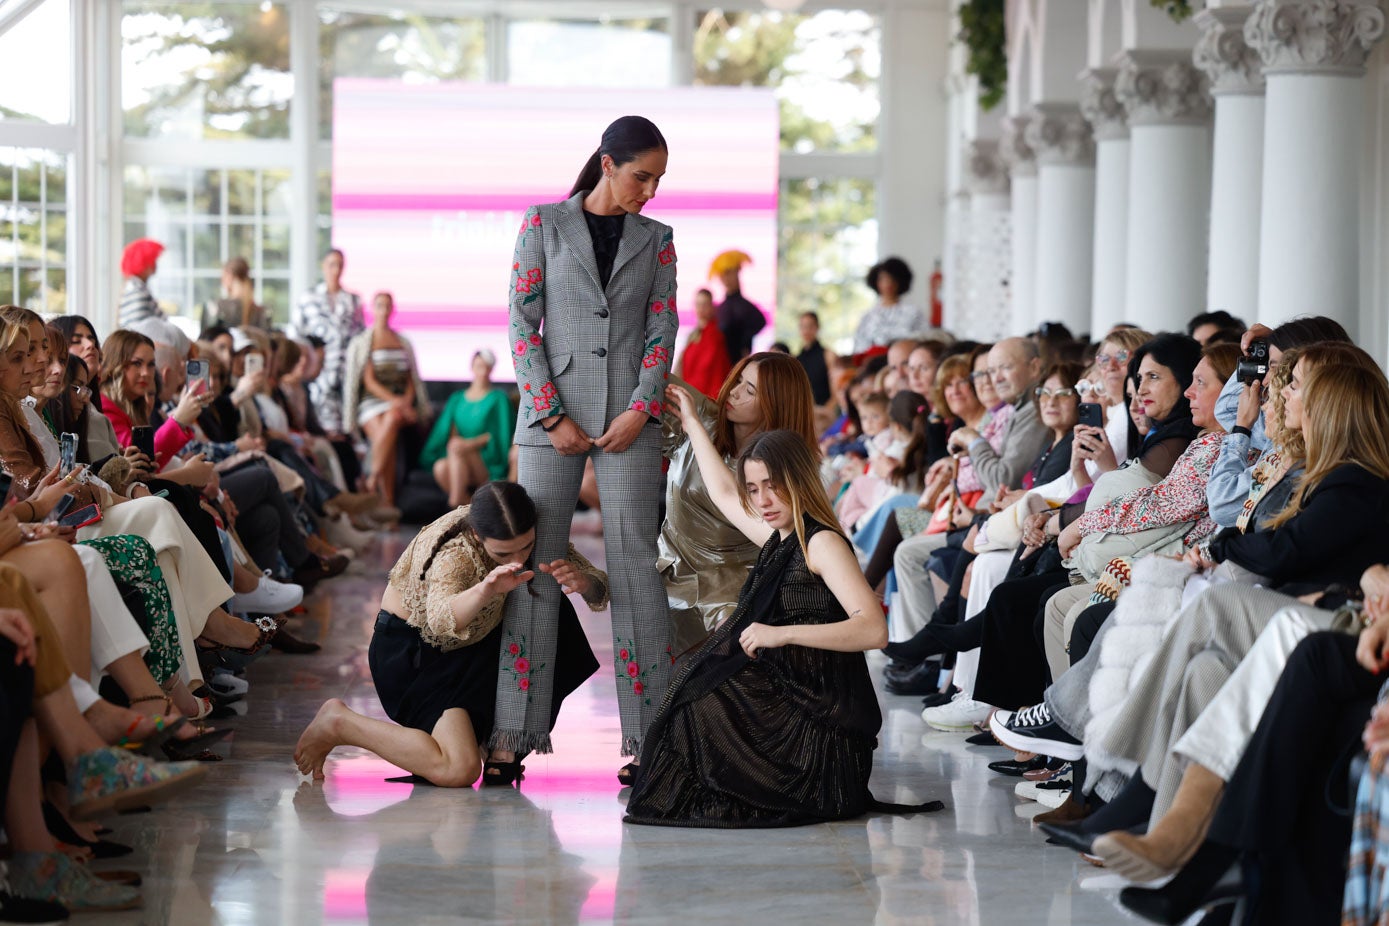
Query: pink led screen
x=430, y=183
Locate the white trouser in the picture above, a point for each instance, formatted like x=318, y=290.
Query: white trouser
x=986, y=572
x=1062, y=610
x=1221, y=733
x=115, y=632
x=916, y=599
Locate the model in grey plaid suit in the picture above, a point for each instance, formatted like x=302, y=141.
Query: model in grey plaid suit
x=591, y=353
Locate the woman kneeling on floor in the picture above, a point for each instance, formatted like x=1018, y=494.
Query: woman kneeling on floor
x=435, y=654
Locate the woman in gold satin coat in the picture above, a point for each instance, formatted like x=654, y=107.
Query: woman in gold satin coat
x=702, y=558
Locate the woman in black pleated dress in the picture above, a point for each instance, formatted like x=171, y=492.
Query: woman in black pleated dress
x=773, y=721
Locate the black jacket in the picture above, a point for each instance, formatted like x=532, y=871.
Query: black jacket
x=1342, y=530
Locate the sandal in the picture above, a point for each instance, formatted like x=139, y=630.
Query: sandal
x=267, y=627
x=195, y=747
x=627, y=774
x=506, y=773
x=163, y=730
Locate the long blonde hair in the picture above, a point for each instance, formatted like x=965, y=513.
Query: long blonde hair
x=795, y=477
x=1287, y=440
x=1345, y=402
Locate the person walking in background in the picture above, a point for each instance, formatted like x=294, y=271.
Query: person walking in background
x=333, y=315
x=704, y=364
x=891, y=319
x=739, y=319
x=593, y=324
x=471, y=442
x=138, y=263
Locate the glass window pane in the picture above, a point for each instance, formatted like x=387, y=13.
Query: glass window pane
x=207, y=192
x=36, y=66
x=275, y=246
x=420, y=49
x=274, y=295
x=275, y=192
x=57, y=179
x=7, y=283
x=57, y=234
x=241, y=192
x=604, y=53
x=824, y=66
x=56, y=299
x=828, y=240
x=241, y=242
x=205, y=289
x=205, y=70
x=207, y=246
x=31, y=288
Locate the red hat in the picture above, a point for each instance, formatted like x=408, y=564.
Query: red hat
x=140, y=256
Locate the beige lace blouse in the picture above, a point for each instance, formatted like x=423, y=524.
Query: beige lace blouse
x=459, y=564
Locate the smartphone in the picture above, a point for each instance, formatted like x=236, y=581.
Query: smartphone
x=5, y=480
x=255, y=363
x=81, y=517
x=200, y=369
x=1091, y=415
x=142, y=439
x=60, y=509
x=67, y=453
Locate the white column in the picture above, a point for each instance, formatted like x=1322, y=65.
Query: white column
x=1237, y=168
x=1169, y=111
x=1109, y=122
x=1314, y=61
x=1022, y=278
x=1065, y=151
x=990, y=254
x=303, y=134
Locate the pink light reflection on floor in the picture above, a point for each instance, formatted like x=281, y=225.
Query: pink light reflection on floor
x=345, y=895
x=359, y=787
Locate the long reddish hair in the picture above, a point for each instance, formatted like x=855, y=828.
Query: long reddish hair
x=784, y=400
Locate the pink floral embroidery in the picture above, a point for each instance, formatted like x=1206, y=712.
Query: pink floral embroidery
x=633, y=670
x=638, y=688
x=542, y=403
x=527, y=387
x=547, y=390
x=658, y=307
x=535, y=220
x=535, y=339
x=523, y=286
x=520, y=667
x=655, y=409
x=667, y=253
x=624, y=655
x=630, y=671
x=533, y=275
x=521, y=348
x=639, y=405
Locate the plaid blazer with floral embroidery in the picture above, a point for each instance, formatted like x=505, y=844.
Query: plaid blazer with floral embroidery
x=589, y=352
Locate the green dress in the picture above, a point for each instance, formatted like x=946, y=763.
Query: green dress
x=492, y=414
x=132, y=562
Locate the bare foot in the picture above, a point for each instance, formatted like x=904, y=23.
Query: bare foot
x=318, y=739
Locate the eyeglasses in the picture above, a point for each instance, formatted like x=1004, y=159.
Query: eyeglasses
x=1053, y=394
x=980, y=376
x=82, y=392
x=1120, y=357
x=1087, y=388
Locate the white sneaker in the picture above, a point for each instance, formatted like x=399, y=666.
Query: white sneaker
x=268, y=597
x=1052, y=799
x=960, y=715
x=1027, y=790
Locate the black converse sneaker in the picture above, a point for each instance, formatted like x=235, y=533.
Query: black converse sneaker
x=1032, y=729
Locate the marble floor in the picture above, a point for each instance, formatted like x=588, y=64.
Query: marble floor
x=258, y=844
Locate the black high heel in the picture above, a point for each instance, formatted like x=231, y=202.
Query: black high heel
x=507, y=773
x=627, y=775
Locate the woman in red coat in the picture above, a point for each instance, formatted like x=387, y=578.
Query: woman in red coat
x=704, y=364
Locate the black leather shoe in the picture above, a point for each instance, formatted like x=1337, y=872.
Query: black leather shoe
x=924, y=679
x=900, y=672
x=984, y=739
x=937, y=698
x=1069, y=835
x=1014, y=768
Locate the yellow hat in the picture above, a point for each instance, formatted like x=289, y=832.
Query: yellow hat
x=728, y=260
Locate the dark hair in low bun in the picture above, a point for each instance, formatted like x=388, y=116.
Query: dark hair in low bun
x=499, y=511
x=625, y=140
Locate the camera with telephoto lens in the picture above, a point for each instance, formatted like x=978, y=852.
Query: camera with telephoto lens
x=1253, y=366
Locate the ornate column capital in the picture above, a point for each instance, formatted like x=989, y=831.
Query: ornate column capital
x=985, y=170
x=1100, y=106
x=1162, y=88
x=1059, y=134
x=1020, y=158
x=1231, y=65
x=1314, y=36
